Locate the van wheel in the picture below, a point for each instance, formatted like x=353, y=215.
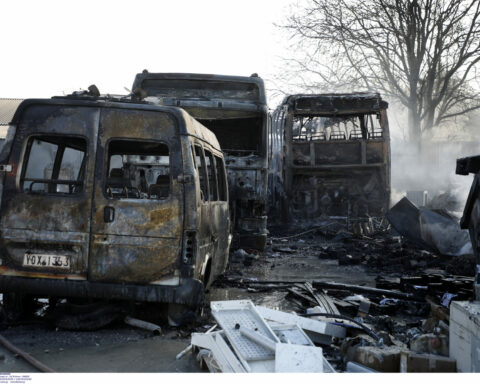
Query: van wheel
x=87, y=317
x=17, y=306
x=180, y=314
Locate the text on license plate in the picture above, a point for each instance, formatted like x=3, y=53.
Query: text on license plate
x=55, y=261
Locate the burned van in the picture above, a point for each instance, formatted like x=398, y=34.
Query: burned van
x=235, y=109
x=111, y=200
x=331, y=157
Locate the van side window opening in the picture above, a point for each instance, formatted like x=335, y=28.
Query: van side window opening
x=200, y=160
x=222, y=183
x=54, y=165
x=194, y=157
x=138, y=170
x=212, y=179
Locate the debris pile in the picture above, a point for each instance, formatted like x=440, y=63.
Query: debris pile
x=257, y=339
x=359, y=328
x=398, y=321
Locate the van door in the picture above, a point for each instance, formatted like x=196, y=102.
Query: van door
x=138, y=203
x=219, y=212
x=205, y=237
x=47, y=199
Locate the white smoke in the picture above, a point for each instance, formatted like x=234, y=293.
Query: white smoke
x=434, y=169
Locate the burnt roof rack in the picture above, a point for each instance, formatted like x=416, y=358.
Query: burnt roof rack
x=107, y=97
x=93, y=94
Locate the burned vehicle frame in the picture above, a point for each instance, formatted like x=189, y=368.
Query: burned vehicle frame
x=104, y=199
x=235, y=109
x=330, y=157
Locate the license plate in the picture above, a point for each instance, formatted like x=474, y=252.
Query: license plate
x=45, y=261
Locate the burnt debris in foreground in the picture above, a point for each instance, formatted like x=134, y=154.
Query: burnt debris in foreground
x=391, y=296
x=384, y=299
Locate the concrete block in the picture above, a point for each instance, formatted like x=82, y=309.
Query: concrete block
x=430, y=343
x=379, y=359
x=414, y=362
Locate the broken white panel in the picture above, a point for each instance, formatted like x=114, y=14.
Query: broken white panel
x=291, y=334
x=222, y=355
x=298, y=358
x=243, y=355
x=207, y=357
x=258, y=338
x=235, y=314
x=314, y=326
x=262, y=366
x=221, y=358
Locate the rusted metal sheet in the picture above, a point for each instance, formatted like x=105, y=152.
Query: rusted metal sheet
x=235, y=109
x=330, y=157
x=103, y=200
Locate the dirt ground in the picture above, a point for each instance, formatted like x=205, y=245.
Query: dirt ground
x=121, y=348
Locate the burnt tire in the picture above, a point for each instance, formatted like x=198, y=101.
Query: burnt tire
x=88, y=317
x=180, y=314
x=17, y=306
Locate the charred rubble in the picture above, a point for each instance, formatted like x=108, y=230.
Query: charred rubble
x=404, y=310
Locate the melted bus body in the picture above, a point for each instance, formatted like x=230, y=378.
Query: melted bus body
x=235, y=109
x=331, y=157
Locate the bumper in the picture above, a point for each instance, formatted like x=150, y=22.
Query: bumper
x=190, y=292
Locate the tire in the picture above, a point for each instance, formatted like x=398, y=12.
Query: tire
x=89, y=317
x=180, y=314
x=17, y=306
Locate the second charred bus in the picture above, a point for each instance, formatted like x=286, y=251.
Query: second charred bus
x=234, y=108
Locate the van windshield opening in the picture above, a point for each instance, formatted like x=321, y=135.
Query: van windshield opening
x=241, y=136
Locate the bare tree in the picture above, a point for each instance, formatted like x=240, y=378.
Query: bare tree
x=422, y=52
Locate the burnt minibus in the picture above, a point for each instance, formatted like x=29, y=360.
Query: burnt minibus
x=108, y=199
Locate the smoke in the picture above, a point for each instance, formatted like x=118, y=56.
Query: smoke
x=433, y=170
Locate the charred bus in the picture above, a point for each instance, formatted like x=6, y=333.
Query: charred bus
x=111, y=200
x=235, y=109
x=330, y=157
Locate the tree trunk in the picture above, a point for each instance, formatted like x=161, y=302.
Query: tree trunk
x=415, y=130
